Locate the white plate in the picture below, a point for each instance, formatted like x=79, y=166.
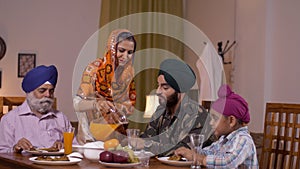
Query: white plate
x=71, y=162
x=120, y=165
x=45, y=153
x=174, y=162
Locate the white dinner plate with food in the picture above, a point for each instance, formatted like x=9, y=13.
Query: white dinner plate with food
x=46, y=162
x=180, y=163
x=45, y=152
x=119, y=165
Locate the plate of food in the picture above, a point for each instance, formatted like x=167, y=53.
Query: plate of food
x=54, y=160
x=45, y=151
x=175, y=161
x=119, y=165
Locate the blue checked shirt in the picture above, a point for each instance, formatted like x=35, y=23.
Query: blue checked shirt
x=237, y=150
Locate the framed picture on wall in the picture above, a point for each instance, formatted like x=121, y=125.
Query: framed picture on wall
x=26, y=62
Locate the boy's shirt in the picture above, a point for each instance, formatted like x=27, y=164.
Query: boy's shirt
x=237, y=150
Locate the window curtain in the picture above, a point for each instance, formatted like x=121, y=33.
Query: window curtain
x=152, y=45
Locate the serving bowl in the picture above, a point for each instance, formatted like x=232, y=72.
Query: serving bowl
x=91, y=150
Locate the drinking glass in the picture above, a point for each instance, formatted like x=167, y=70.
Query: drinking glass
x=133, y=135
x=196, y=145
x=68, y=139
x=144, y=158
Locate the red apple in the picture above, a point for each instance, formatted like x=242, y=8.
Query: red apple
x=120, y=156
x=106, y=156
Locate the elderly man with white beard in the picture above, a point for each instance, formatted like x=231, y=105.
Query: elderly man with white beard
x=34, y=123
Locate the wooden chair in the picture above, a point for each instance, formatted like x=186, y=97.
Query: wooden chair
x=8, y=103
x=206, y=104
x=281, y=140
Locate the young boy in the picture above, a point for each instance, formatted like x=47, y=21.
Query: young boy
x=235, y=147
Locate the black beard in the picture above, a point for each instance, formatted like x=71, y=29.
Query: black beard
x=172, y=100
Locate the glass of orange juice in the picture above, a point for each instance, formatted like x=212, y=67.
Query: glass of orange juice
x=68, y=139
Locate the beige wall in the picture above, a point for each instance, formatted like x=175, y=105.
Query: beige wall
x=268, y=32
x=55, y=30
x=249, y=74
x=265, y=59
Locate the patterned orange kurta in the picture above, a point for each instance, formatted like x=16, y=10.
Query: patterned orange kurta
x=103, y=79
x=99, y=78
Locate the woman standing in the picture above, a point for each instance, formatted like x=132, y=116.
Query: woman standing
x=107, y=87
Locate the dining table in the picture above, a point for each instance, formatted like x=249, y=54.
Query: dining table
x=22, y=161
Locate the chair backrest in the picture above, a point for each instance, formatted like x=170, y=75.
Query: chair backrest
x=8, y=103
x=281, y=140
x=206, y=104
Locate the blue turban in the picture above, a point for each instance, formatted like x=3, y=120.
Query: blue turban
x=38, y=76
x=178, y=74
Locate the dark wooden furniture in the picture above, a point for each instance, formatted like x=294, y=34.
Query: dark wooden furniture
x=206, y=104
x=15, y=160
x=281, y=136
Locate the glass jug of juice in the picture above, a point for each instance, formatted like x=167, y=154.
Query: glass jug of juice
x=104, y=127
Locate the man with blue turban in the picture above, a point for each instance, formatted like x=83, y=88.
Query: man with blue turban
x=34, y=123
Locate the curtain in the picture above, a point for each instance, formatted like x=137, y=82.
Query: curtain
x=157, y=38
